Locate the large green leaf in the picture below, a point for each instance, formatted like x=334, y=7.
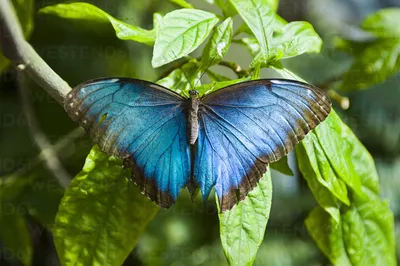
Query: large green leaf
x=180, y=32
x=375, y=61
x=327, y=188
x=218, y=45
x=101, y=215
x=14, y=233
x=363, y=233
x=259, y=16
x=242, y=228
x=328, y=234
x=84, y=11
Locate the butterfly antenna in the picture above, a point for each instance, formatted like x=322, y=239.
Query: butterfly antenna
x=205, y=70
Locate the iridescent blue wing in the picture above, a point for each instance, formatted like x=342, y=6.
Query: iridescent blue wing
x=245, y=126
x=142, y=123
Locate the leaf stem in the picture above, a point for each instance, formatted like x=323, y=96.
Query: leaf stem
x=24, y=57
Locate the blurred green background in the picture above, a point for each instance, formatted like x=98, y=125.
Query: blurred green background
x=188, y=233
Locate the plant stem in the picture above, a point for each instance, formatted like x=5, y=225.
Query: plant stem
x=49, y=155
x=24, y=57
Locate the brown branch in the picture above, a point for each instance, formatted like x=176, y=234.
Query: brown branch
x=24, y=57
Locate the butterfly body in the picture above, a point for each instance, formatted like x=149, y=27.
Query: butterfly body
x=224, y=139
x=193, y=116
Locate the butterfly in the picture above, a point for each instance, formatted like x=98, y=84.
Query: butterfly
x=224, y=139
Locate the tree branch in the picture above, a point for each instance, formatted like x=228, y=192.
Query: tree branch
x=48, y=154
x=24, y=57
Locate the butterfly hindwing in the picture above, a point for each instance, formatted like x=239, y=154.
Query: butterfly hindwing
x=245, y=126
x=142, y=123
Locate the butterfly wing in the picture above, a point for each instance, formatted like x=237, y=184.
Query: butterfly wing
x=245, y=126
x=142, y=123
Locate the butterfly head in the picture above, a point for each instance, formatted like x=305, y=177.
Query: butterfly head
x=193, y=93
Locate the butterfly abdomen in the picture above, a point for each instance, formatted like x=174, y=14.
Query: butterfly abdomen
x=193, y=124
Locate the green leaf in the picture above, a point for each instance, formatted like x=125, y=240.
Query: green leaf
x=180, y=32
x=182, y=3
x=273, y=4
x=182, y=79
x=282, y=166
x=294, y=39
x=291, y=40
x=14, y=232
x=363, y=236
x=374, y=64
x=102, y=214
x=259, y=16
x=384, y=23
x=84, y=11
x=242, y=228
x=328, y=234
x=366, y=227
x=208, y=88
x=325, y=185
x=218, y=45
x=377, y=60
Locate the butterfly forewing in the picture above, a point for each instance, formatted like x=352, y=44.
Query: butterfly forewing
x=142, y=123
x=246, y=126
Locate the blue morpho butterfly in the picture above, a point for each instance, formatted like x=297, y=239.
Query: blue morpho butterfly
x=224, y=139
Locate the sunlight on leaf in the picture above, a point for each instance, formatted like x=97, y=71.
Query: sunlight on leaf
x=258, y=16
x=291, y=40
x=328, y=234
x=84, y=11
x=242, y=228
x=102, y=214
x=182, y=3
x=180, y=32
x=218, y=45
x=366, y=226
x=384, y=23
x=294, y=39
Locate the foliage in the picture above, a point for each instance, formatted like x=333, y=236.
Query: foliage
x=102, y=215
x=376, y=59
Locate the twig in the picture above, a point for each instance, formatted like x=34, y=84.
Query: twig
x=61, y=144
x=49, y=156
x=24, y=57
x=235, y=68
x=343, y=101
